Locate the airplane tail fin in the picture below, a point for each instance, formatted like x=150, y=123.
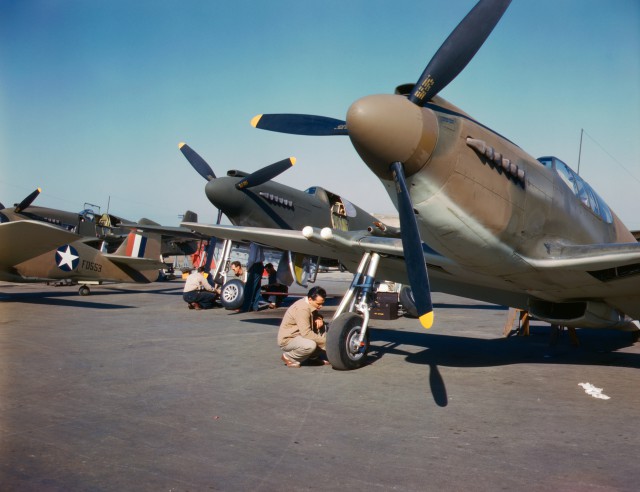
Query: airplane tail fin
x=190, y=216
x=139, y=256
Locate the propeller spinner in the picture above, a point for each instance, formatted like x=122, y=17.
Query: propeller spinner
x=395, y=140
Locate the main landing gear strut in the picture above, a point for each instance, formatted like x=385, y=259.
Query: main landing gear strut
x=347, y=337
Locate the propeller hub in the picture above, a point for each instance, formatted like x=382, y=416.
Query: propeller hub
x=222, y=193
x=389, y=128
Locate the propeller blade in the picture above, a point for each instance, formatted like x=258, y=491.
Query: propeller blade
x=219, y=217
x=458, y=49
x=300, y=124
x=412, y=246
x=198, y=163
x=27, y=201
x=266, y=173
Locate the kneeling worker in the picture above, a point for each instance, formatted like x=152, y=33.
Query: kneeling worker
x=197, y=291
x=302, y=333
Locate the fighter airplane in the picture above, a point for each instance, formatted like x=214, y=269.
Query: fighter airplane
x=102, y=231
x=33, y=251
x=490, y=221
x=255, y=200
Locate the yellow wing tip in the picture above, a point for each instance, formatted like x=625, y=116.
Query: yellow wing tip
x=426, y=320
x=255, y=120
x=293, y=160
x=181, y=144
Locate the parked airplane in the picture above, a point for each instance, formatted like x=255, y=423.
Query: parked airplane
x=102, y=231
x=490, y=221
x=38, y=252
x=254, y=199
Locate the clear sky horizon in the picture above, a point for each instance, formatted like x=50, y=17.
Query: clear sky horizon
x=96, y=95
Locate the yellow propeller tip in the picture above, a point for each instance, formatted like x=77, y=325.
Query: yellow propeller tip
x=293, y=160
x=181, y=144
x=39, y=190
x=255, y=120
x=426, y=320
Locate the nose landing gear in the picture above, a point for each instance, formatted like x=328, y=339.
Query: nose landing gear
x=348, y=338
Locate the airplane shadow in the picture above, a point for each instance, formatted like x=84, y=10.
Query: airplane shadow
x=597, y=347
x=73, y=299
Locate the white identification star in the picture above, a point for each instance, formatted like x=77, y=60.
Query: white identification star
x=67, y=258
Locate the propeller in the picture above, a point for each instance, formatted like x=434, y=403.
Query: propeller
x=458, y=49
x=266, y=173
x=254, y=179
x=412, y=246
x=394, y=139
x=450, y=59
x=198, y=163
x=27, y=201
x=300, y=124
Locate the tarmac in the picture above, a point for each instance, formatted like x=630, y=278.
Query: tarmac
x=127, y=389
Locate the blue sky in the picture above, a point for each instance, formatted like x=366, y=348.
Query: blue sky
x=95, y=95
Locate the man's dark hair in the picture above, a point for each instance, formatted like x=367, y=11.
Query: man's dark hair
x=317, y=291
x=236, y=263
x=201, y=269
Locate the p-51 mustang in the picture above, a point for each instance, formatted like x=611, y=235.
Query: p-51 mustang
x=488, y=220
x=33, y=251
x=102, y=231
x=254, y=199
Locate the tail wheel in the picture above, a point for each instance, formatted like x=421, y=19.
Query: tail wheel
x=232, y=294
x=343, y=348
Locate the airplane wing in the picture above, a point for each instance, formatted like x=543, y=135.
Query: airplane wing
x=178, y=232
x=607, y=271
x=591, y=257
x=25, y=239
x=345, y=246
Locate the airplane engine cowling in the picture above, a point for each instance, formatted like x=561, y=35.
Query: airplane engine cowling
x=578, y=314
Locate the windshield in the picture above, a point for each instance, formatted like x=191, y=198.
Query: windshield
x=580, y=188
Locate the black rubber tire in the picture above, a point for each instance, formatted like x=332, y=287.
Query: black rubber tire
x=232, y=294
x=84, y=291
x=408, y=304
x=339, y=340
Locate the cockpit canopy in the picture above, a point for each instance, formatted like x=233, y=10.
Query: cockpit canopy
x=580, y=188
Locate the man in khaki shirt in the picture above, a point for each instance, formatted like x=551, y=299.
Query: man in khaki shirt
x=302, y=332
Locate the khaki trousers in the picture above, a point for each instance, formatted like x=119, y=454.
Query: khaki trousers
x=299, y=349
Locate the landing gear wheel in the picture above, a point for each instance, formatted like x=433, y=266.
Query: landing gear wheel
x=84, y=291
x=232, y=294
x=408, y=304
x=343, y=350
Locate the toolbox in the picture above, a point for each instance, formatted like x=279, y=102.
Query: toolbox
x=385, y=306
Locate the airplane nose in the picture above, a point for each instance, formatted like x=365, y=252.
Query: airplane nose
x=389, y=128
x=222, y=193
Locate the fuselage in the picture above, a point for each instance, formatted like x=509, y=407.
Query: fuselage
x=482, y=201
x=275, y=205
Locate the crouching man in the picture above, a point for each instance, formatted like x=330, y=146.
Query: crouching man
x=197, y=291
x=302, y=333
